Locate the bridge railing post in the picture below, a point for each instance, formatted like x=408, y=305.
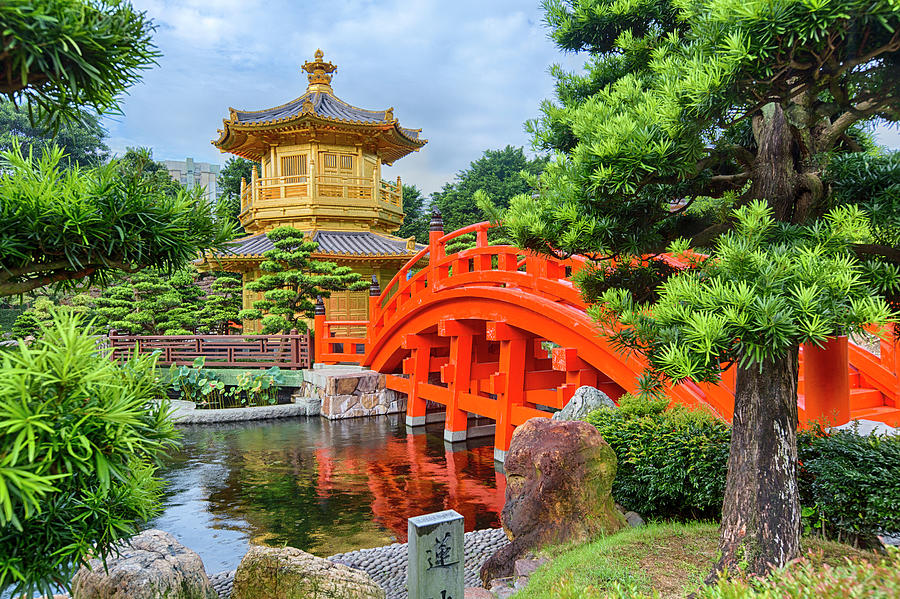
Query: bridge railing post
x=321, y=334
x=374, y=309
x=826, y=380
x=435, y=248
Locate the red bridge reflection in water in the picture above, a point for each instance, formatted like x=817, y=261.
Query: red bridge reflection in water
x=414, y=476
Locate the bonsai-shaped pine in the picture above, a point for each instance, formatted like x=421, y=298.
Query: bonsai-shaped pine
x=293, y=282
x=221, y=306
x=151, y=303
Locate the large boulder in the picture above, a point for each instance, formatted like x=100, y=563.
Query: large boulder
x=152, y=565
x=584, y=401
x=559, y=479
x=288, y=573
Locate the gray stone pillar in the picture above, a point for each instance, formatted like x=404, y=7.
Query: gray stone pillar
x=436, y=556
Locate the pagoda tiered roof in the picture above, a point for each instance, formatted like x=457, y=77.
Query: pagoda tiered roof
x=249, y=133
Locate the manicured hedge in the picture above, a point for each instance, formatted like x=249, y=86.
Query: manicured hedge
x=673, y=463
x=850, y=483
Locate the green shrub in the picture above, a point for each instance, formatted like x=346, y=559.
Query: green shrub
x=79, y=438
x=671, y=464
x=850, y=483
x=810, y=579
x=206, y=388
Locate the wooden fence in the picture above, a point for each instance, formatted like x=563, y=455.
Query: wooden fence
x=292, y=351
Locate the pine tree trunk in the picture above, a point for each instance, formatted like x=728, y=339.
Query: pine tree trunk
x=761, y=512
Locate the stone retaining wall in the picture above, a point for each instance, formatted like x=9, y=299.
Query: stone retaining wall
x=346, y=392
x=185, y=412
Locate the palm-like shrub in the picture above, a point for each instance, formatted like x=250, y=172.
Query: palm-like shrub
x=79, y=439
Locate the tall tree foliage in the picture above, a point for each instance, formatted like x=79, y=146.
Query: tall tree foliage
x=415, y=220
x=62, y=225
x=750, y=101
x=229, y=181
x=61, y=55
x=81, y=141
x=293, y=281
x=498, y=173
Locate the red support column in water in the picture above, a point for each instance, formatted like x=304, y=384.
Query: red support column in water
x=827, y=381
x=457, y=373
x=416, y=366
x=509, y=381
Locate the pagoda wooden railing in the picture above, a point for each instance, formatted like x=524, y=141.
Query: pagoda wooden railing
x=290, y=352
x=262, y=190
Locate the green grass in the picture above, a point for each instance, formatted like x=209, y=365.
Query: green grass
x=668, y=560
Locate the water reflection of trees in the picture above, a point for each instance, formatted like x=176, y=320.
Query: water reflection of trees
x=327, y=487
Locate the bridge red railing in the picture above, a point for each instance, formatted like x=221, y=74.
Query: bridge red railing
x=882, y=370
x=432, y=271
x=292, y=351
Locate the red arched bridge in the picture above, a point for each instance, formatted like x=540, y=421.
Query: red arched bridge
x=500, y=333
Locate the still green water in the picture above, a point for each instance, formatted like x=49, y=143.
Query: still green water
x=322, y=486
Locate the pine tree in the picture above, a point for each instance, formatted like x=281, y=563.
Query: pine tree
x=294, y=281
x=736, y=103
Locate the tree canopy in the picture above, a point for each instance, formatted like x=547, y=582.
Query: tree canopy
x=58, y=226
x=62, y=55
x=735, y=104
x=498, y=173
x=229, y=181
x=81, y=140
x=415, y=220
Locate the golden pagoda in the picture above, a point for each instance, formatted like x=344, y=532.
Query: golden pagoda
x=321, y=164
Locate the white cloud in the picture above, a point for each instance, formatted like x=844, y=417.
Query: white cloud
x=469, y=73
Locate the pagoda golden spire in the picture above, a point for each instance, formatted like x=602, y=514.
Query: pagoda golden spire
x=319, y=73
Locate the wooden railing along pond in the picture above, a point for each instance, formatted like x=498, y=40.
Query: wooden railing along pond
x=292, y=351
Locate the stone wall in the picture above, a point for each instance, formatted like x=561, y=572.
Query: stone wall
x=343, y=392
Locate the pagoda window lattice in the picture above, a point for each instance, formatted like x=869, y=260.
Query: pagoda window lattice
x=293, y=168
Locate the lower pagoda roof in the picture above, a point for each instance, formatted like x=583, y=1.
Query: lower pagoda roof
x=334, y=243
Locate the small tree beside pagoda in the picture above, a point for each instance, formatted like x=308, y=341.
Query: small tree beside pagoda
x=293, y=282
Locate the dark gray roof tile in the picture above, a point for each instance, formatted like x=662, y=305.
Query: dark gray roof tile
x=324, y=105
x=350, y=243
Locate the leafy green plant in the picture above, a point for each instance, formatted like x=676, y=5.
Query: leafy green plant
x=198, y=384
x=206, y=388
x=851, y=483
x=80, y=436
x=259, y=388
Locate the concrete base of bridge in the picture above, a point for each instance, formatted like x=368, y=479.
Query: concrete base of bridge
x=415, y=421
x=499, y=455
x=454, y=436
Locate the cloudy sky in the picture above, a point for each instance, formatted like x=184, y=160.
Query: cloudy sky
x=468, y=72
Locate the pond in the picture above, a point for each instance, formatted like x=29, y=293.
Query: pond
x=322, y=486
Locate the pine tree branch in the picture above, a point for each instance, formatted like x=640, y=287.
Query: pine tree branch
x=863, y=250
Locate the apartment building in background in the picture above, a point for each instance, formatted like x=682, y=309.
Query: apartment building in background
x=195, y=174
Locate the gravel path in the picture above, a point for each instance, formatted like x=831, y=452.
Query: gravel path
x=387, y=565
